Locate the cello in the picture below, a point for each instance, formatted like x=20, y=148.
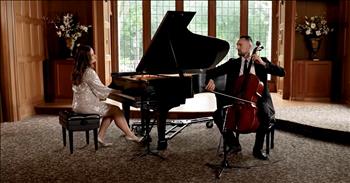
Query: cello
x=242, y=115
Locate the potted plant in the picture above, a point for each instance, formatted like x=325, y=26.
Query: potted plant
x=68, y=28
x=314, y=28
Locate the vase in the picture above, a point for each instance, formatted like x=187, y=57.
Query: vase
x=314, y=45
x=70, y=45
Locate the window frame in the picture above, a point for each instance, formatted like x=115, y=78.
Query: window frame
x=179, y=4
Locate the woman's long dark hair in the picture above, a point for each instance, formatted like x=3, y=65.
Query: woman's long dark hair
x=83, y=59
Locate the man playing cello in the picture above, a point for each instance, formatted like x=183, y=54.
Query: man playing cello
x=233, y=68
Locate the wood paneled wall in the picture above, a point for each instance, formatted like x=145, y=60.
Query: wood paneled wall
x=8, y=97
x=346, y=54
x=312, y=8
x=289, y=45
x=312, y=80
x=81, y=9
x=23, y=57
x=29, y=55
x=335, y=47
x=344, y=51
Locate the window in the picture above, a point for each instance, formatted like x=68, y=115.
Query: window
x=260, y=24
x=199, y=23
x=158, y=11
x=228, y=25
x=228, y=15
x=129, y=34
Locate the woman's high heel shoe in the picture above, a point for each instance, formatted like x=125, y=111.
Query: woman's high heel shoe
x=103, y=144
x=134, y=139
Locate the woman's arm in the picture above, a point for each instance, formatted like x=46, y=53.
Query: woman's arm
x=94, y=82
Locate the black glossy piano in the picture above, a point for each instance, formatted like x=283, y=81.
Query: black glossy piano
x=170, y=71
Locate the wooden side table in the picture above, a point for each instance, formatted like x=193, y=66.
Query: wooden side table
x=311, y=80
x=62, y=79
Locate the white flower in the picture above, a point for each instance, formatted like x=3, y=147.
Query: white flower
x=318, y=33
x=84, y=28
x=313, y=25
x=67, y=27
x=308, y=32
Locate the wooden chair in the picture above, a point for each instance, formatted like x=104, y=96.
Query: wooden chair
x=270, y=137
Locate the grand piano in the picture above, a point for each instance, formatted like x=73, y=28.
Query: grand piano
x=169, y=72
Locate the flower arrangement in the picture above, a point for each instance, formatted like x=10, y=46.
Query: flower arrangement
x=68, y=27
x=315, y=26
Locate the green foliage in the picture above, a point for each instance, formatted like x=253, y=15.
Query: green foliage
x=158, y=11
x=227, y=28
x=199, y=23
x=228, y=24
x=130, y=32
x=260, y=25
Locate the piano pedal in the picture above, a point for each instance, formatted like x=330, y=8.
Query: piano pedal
x=138, y=131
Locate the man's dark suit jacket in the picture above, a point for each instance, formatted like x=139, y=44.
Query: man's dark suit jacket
x=232, y=68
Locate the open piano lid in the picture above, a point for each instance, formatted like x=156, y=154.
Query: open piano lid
x=174, y=47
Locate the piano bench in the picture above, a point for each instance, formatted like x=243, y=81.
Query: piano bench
x=72, y=121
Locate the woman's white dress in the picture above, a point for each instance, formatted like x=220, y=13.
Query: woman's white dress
x=88, y=96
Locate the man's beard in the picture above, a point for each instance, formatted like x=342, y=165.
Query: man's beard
x=241, y=54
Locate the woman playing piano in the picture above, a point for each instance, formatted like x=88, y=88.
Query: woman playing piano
x=89, y=93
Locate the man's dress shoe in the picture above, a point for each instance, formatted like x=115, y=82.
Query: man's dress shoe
x=234, y=149
x=259, y=155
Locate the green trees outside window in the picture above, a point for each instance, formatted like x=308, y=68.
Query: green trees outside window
x=260, y=24
x=158, y=11
x=130, y=25
x=228, y=24
x=199, y=23
x=129, y=34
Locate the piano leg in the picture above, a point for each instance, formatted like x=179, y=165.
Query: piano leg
x=126, y=109
x=163, y=114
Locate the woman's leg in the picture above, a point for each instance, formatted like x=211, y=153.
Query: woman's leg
x=120, y=121
x=106, y=121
